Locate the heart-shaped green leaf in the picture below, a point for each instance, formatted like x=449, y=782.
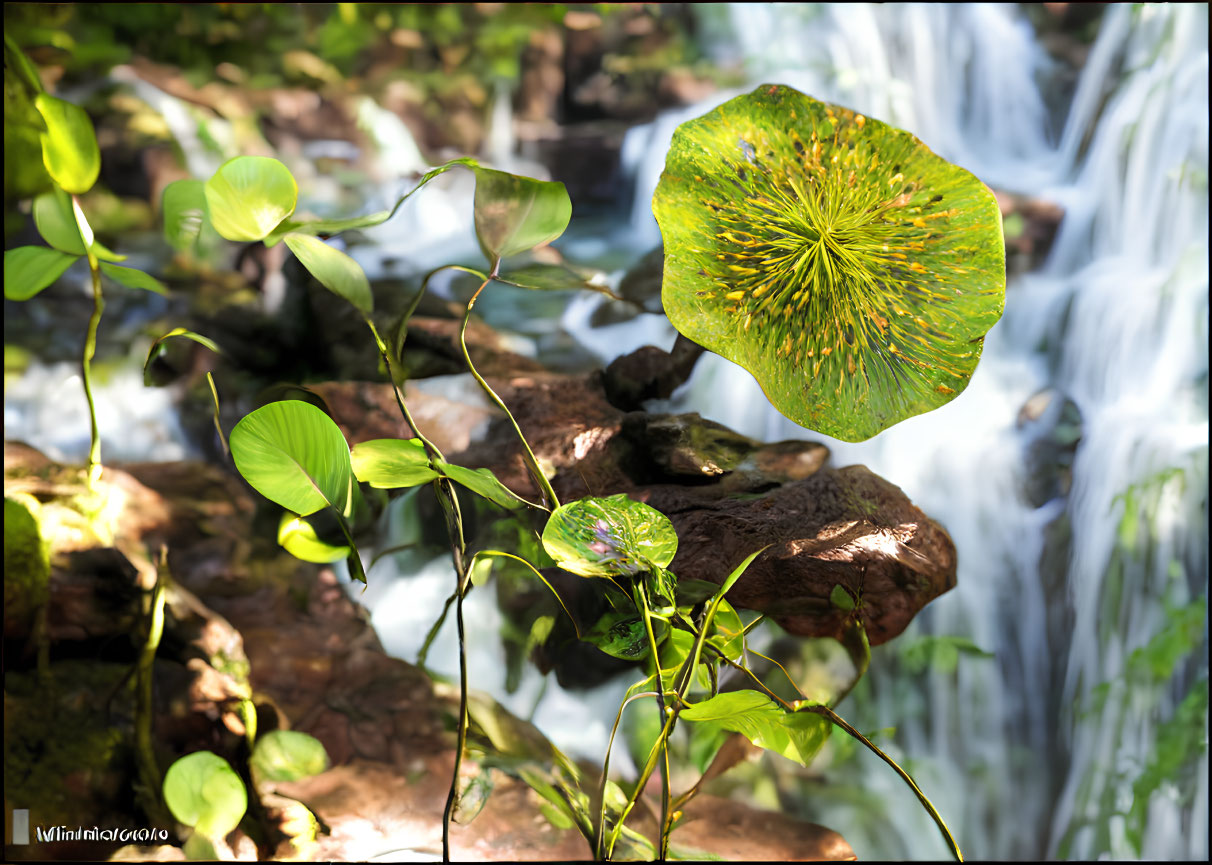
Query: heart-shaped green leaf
x=29, y=269
x=795, y=735
x=514, y=213
x=293, y=454
x=335, y=270
x=133, y=278
x=298, y=537
x=388, y=464
x=56, y=219
x=69, y=145
x=183, y=206
x=203, y=791
x=609, y=537
x=248, y=196
x=852, y=271
x=288, y=755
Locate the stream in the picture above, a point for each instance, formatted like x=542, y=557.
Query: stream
x=1084, y=735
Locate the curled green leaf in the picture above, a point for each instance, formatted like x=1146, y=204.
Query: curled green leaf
x=852, y=271
x=56, y=220
x=298, y=537
x=515, y=213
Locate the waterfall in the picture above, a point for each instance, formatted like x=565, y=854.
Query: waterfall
x=1036, y=752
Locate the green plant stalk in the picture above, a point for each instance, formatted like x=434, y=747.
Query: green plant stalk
x=532, y=463
x=149, y=771
x=448, y=811
x=839, y=722
x=641, y=601
x=90, y=349
x=599, y=836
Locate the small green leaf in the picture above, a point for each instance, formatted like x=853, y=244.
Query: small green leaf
x=557, y=277
x=388, y=464
x=484, y=483
x=55, y=222
x=621, y=634
x=56, y=219
x=609, y=537
x=473, y=796
x=288, y=755
x=249, y=196
x=29, y=269
x=203, y=791
x=795, y=735
x=69, y=145
x=326, y=226
x=851, y=270
x=514, y=213
x=335, y=270
x=133, y=278
x=841, y=598
x=183, y=206
x=729, y=636
x=298, y=537
x=293, y=454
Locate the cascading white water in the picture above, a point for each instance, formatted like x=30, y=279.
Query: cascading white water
x=1116, y=320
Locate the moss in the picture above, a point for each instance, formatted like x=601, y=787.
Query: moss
x=64, y=755
x=26, y=563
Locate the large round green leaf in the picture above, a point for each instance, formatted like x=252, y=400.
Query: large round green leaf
x=203, y=791
x=69, y=145
x=609, y=537
x=249, y=195
x=293, y=454
x=852, y=271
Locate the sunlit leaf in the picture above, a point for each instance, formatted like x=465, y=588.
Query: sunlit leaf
x=484, y=483
x=335, y=270
x=852, y=271
x=288, y=755
x=248, y=196
x=729, y=636
x=204, y=792
x=389, y=464
x=29, y=269
x=841, y=598
x=514, y=213
x=293, y=454
x=69, y=145
x=608, y=537
x=133, y=278
x=795, y=735
x=55, y=219
x=183, y=206
x=298, y=537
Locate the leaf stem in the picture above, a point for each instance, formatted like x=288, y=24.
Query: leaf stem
x=838, y=721
x=551, y=499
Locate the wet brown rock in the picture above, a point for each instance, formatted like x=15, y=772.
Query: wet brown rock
x=839, y=526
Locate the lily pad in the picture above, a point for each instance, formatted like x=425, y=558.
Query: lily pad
x=840, y=261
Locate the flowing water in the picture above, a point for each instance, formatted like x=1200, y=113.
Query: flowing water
x=1040, y=751
x=1084, y=735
